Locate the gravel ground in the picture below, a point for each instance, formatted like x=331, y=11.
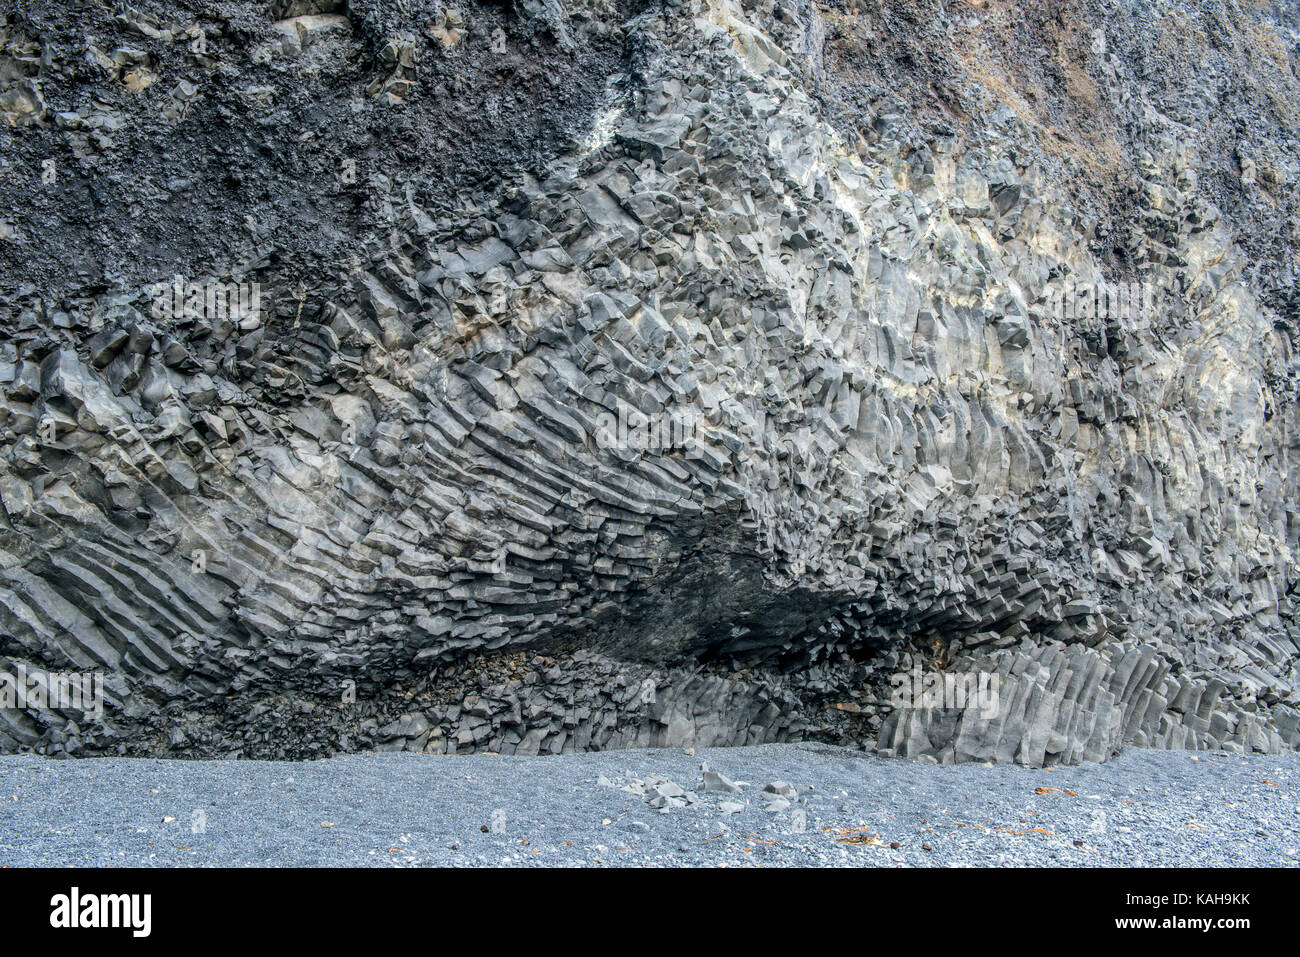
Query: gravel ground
x=1145, y=808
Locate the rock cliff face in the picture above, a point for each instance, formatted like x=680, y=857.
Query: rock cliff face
x=539, y=376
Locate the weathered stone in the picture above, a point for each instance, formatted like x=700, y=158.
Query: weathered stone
x=749, y=401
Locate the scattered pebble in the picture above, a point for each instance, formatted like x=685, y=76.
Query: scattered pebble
x=822, y=805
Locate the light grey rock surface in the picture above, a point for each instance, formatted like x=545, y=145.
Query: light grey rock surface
x=770, y=372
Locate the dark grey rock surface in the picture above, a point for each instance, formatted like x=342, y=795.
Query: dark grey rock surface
x=1145, y=808
x=650, y=374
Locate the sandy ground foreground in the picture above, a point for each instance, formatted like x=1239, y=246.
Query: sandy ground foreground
x=632, y=808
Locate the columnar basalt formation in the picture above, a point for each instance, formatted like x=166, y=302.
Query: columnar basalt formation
x=546, y=376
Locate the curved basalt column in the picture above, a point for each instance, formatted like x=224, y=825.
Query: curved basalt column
x=703, y=429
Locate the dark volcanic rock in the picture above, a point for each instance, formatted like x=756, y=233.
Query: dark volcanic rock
x=542, y=376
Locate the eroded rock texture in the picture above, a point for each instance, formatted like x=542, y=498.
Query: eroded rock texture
x=846, y=250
